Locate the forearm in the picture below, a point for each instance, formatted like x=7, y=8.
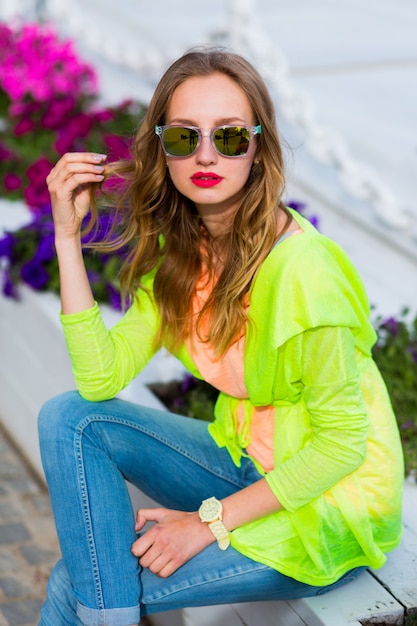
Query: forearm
x=178, y=536
x=76, y=293
x=69, y=184
x=249, y=504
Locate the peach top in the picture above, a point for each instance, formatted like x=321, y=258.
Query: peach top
x=227, y=374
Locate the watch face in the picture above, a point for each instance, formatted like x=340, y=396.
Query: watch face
x=210, y=510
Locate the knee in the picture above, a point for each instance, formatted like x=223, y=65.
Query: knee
x=59, y=413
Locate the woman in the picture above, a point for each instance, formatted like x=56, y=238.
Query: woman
x=296, y=486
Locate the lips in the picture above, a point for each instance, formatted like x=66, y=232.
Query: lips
x=206, y=179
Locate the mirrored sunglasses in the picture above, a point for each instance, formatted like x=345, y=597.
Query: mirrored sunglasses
x=183, y=141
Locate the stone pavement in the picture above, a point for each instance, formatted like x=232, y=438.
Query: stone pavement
x=28, y=543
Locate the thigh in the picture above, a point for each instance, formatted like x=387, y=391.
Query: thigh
x=174, y=460
x=171, y=458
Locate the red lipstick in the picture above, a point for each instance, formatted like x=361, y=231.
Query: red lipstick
x=206, y=179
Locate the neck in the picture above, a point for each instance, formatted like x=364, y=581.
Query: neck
x=216, y=220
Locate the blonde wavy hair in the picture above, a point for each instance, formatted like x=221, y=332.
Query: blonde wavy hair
x=162, y=227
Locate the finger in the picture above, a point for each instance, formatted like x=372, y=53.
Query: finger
x=148, y=515
x=141, y=545
x=156, y=565
x=64, y=171
x=83, y=157
x=73, y=162
x=74, y=181
x=168, y=569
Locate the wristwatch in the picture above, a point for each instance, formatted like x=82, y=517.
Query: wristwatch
x=210, y=512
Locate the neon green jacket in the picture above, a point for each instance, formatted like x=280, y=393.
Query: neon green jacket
x=338, y=457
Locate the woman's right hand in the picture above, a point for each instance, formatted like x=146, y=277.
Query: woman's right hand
x=69, y=184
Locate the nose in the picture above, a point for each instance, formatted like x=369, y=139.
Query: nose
x=206, y=152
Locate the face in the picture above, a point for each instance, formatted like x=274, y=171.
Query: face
x=213, y=182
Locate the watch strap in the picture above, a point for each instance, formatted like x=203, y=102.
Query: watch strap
x=221, y=534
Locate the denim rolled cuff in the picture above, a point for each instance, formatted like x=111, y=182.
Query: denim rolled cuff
x=108, y=617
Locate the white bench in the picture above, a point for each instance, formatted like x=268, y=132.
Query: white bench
x=386, y=596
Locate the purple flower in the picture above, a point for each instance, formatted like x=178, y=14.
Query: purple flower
x=6, y=246
x=8, y=288
x=115, y=299
x=188, y=383
x=34, y=274
x=297, y=206
x=43, y=208
x=178, y=403
x=391, y=325
x=46, y=249
x=300, y=207
x=413, y=352
x=93, y=276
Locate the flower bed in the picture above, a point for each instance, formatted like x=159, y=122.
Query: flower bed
x=49, y=105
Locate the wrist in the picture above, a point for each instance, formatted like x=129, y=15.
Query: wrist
x=210, y=513
x=204, y=531
x=66, y=242
x=64, y=236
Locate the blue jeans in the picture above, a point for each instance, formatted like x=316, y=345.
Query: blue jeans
x=88, y=451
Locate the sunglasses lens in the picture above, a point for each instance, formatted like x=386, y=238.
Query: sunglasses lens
x=179, y=141
x=232, y=140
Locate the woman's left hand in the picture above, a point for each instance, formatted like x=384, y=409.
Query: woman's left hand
x=175, y=538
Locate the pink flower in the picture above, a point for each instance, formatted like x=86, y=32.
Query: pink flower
x=11, y=181
x=106, y=115
x=57, y=114
x=77, y=128
x=5, y=154
x=23, y=109
x=37, y=195
x=117, y=147
x=38, y=171
x=36, y=63
x=26, y=125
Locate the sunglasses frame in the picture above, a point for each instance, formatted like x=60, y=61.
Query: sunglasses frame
x=206, y=132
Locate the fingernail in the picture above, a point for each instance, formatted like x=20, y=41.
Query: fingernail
x=99, y=157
